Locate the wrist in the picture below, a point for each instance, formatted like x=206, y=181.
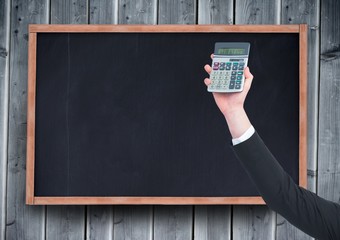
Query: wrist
x=237, y=121
x=233, y=112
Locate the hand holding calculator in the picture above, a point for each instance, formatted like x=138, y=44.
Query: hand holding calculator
x=229, y=61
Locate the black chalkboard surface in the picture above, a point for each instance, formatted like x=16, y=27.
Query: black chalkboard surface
x=126, y=114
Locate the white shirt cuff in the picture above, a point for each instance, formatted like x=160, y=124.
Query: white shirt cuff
x=245, y=136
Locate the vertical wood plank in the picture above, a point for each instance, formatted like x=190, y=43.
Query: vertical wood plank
x=103, y=11
x=329, y=114
x=133, y=222
x=173, y=222
x=23, y=222
x=99, y=223
x=212, y=222
x=256, y=222
x=215, y=11
x=137, y=12
x=69, y=11
x=253, y=222
x=177, y=12
x=257, y=12
x=100, y=218
x=4, y=98
x=296, y=12
x=66, y=222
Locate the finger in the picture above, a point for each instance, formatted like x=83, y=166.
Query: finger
x=212, y=56
x=207, y=68
x=249, y=78
x=207, y=82
x=247, y=74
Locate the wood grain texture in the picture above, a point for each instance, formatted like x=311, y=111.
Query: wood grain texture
x=69, y=11
x=74, y=28
x=177, y=12
x=329, y=114
x=4, y=101
x=212, y=222
x=31, y=94
x=103, y=11
x=99, y=219
x=133, y=222
x=307, y=11
x=215, y=11
x=173, y=222
x=257, y=12
x=254, y=222
x=296, y=12
x=137, y=12
x=66, y=222
x=99, y=223
x=23, y=222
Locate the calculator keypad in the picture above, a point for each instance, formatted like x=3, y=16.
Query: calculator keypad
x=227, y=74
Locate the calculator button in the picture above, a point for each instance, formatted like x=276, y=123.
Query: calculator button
x=235, y=67
x=233, y=78
x=239, y=73
x=216, y=63
x=228, y=63
x=221, y=67
x=239, y=77
x=233, y=73
x=237, y=86
x=238, y=82
x=240, y=67
x=228, y=68
x=232, y=85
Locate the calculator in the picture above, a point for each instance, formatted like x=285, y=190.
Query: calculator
x=229, y=61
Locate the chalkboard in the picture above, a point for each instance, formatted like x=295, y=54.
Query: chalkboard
x=120, y=114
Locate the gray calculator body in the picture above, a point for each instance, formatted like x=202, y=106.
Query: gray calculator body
x=229, y=61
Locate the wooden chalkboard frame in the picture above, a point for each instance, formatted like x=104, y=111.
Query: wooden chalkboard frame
x=31, y=199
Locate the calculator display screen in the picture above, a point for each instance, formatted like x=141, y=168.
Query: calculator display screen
x=231, y=51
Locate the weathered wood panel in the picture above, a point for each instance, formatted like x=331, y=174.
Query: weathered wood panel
x=215, y=12
x=4, y=98
x=69, y=12
x=133, y=222
x=212, y=222
x=66, y=222
x=99, y=223
x=99, y=219
x=296, y=12
x=257, y=12
x=23, y=222
x=177, y=12
x=137, y=12
x=173, y=222
x=103, y=11
x=255, y=222
x=329, y=114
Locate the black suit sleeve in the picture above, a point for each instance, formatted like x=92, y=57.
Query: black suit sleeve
x=312, y=214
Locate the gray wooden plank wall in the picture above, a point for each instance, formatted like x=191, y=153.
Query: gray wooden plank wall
x=18, y=221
